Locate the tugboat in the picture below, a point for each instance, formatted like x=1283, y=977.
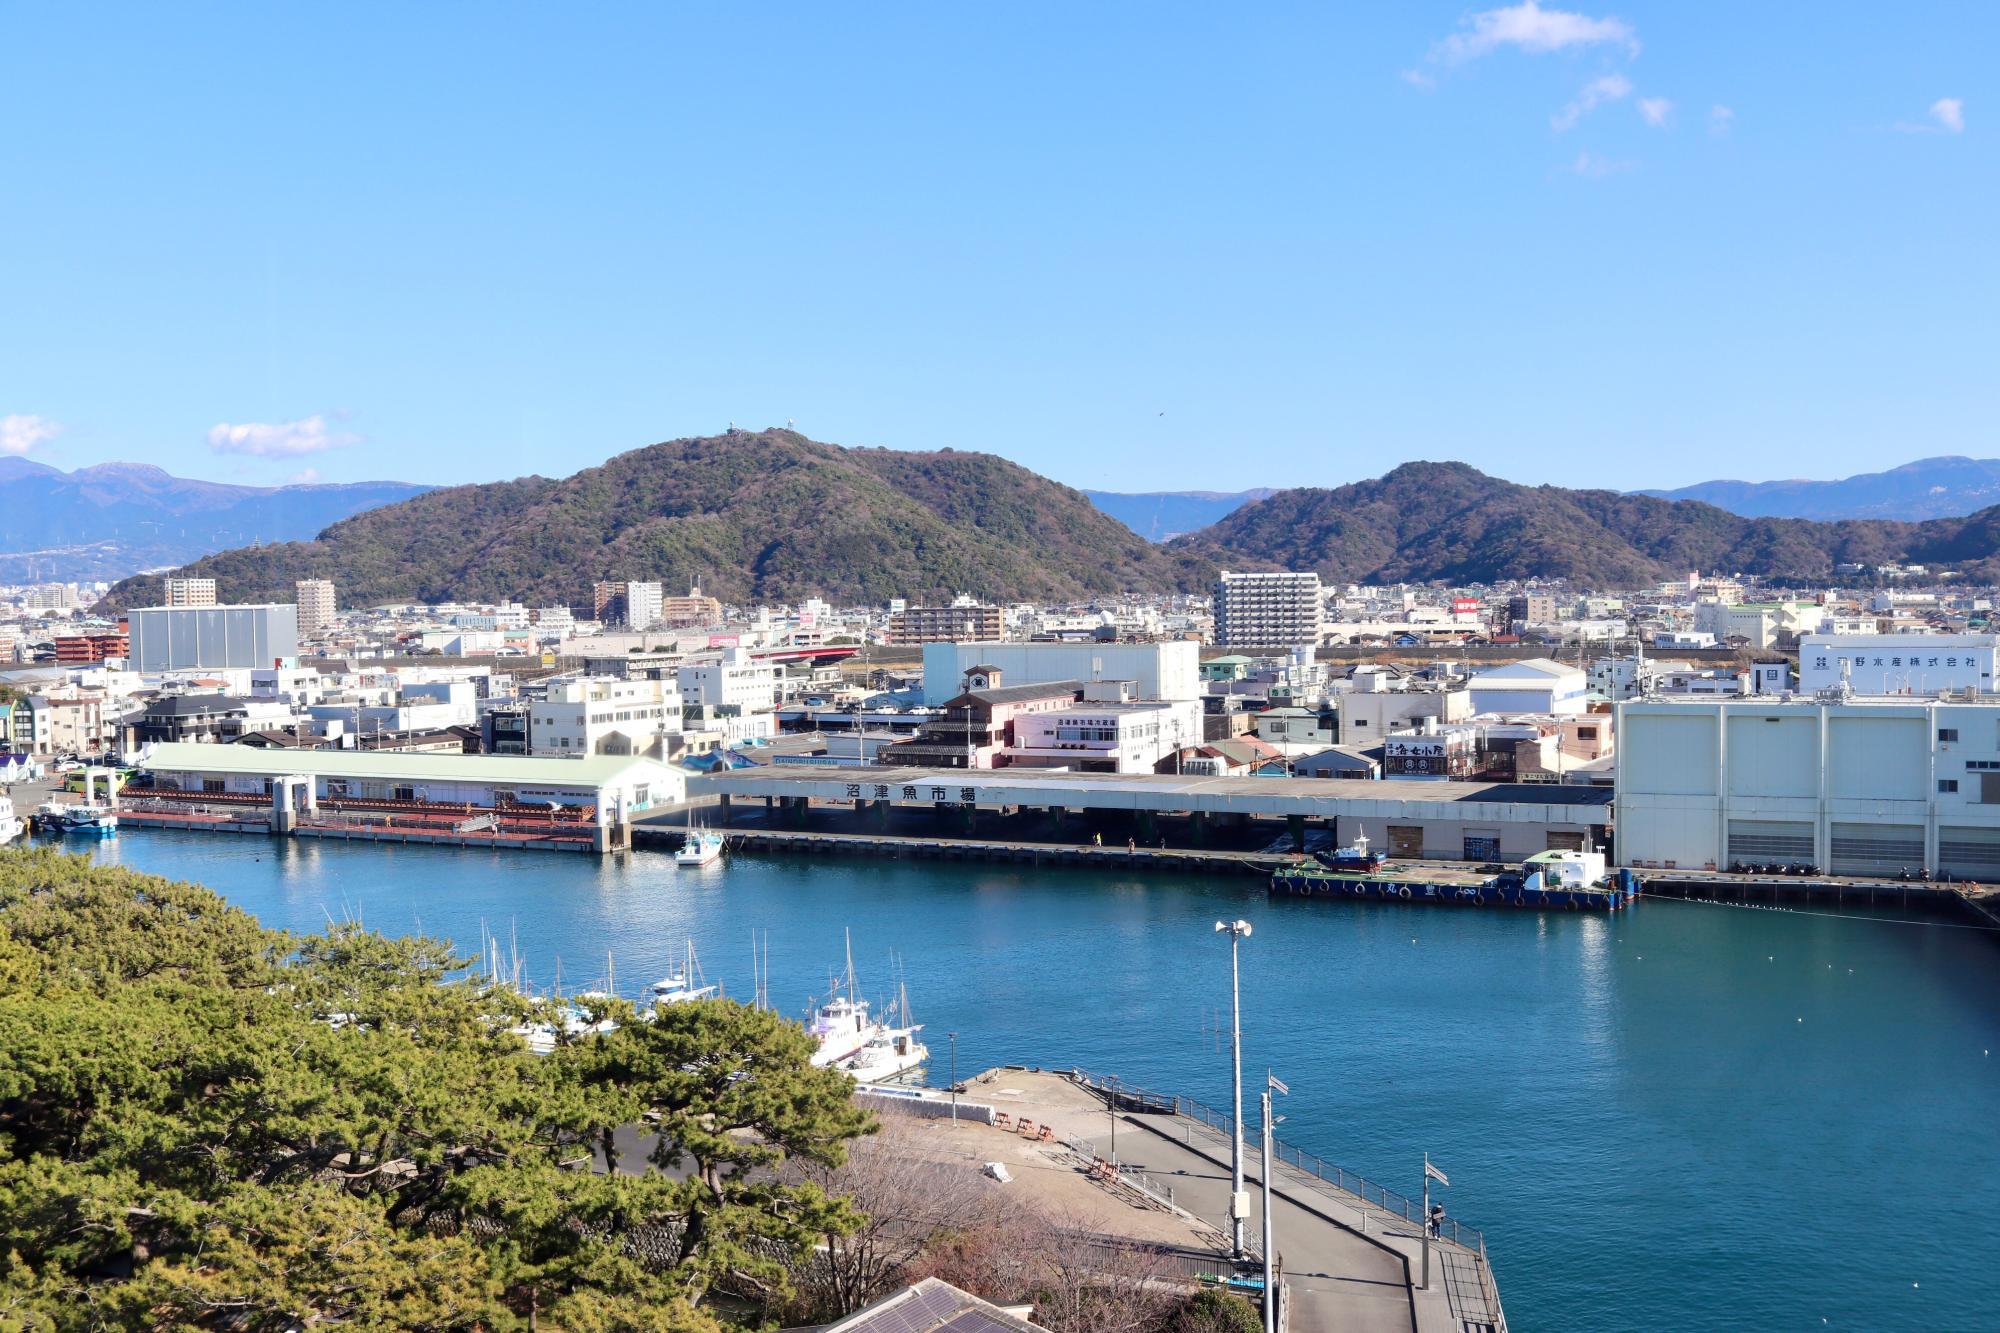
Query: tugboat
x=1357, y=858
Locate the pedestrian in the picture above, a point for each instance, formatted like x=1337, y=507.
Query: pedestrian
x=1131, y=844
x=1097, y=839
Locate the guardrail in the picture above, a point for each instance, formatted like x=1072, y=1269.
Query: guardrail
x=1380, y=1197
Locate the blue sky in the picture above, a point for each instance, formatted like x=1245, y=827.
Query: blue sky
x=1145, y=247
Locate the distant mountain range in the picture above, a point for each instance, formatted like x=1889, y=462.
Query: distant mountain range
x=766, y=516
x=774, y=516
x=105, y=522
x=1163, y=515
x=1949, y=487
x=1447, y=522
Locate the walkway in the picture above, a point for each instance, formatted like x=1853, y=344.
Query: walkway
x=1346, y=1267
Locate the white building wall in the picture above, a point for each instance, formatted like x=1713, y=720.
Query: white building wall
x=192, y=638
x=1899, y=663
x=1158, y=670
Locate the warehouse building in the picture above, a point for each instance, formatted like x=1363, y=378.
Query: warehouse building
x=1857, y=786
x=213, y=638
x=609, y=784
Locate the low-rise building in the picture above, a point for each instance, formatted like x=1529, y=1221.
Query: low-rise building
x=599, y=715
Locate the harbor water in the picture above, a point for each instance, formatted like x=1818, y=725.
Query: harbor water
x=1683, y=1116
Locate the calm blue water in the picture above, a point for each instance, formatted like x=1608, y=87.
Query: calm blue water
x=1686, y=1117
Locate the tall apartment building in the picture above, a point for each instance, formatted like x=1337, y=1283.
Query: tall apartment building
x=315, y=598
x=693, y=609
x=633, y=604
x=90, y=649
x=1267, y=609
x=1535, y=608
x=945, y=624
x=190, y=592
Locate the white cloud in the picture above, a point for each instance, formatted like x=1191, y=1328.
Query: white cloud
x=1529, y=27
x=1596, y=168
x=1609, y=88
x=20, y=433
x=1950, y=113
x=277, y=439
x=1720, y=119
x=305, y=476
x=1656, y=111
x=1416, y=78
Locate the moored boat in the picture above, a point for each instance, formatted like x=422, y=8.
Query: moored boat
x=1553, y=880
x=90, y=818
x=699, y=848
x=10, y=823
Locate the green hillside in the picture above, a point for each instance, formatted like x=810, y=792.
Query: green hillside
x=763, y=516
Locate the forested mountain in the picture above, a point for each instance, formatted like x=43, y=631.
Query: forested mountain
x=109, y=520
x=766, y=516
x=1452, y=523
x=1928, y=488
x=1162, y=515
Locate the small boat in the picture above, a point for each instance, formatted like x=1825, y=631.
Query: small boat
x=91, y=818
x=699, y=848
x=681, y=985
x=10, y=823
x=1357, y=858
x=893, y=1053
x=841, y=1026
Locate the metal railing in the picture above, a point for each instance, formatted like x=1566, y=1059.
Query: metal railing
x=1320, y=1171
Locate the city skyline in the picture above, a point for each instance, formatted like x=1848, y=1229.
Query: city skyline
x=284, y=246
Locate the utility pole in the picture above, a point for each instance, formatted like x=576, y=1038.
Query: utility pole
x=1239, y=1201
x=1272, y=1083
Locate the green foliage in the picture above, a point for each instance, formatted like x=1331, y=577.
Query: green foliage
x=1446, y=522
x=204, y=1123
x=1213, y=1311
x=766, y=516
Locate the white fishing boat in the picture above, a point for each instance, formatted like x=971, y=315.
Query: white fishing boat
x=682, y=984
x=10, y=823
x=699, y=848
x=894, y=1052
x=91, y=818
x=841, y=1026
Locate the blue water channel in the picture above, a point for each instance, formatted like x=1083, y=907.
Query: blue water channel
x=1684, y=1117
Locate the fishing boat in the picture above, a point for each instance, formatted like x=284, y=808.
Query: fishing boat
x=699, y=848
x=841, y=1026
x=90, y=818
x=894, y=1052
x=682, y=984
x=10, y=823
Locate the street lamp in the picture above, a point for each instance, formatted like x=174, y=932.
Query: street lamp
x=954, y=1075
x=1272, y=1083
x=1111, y=1105
x=1239, y=1203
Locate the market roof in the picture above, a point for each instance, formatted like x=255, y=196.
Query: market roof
x=592, y=771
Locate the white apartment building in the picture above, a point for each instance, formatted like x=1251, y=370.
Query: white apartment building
x=1105, y=737
x=1267, y=608
x=190, y=592
x=1867, y=786
x=1899, y=663
x=597, y=715
x=553, y=620
x=1370, y=712
x=316, y=606
x=642, y=604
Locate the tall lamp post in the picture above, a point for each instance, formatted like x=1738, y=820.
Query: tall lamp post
x=954, y=1074
x=1272, y=1083
x=1239, y=1202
